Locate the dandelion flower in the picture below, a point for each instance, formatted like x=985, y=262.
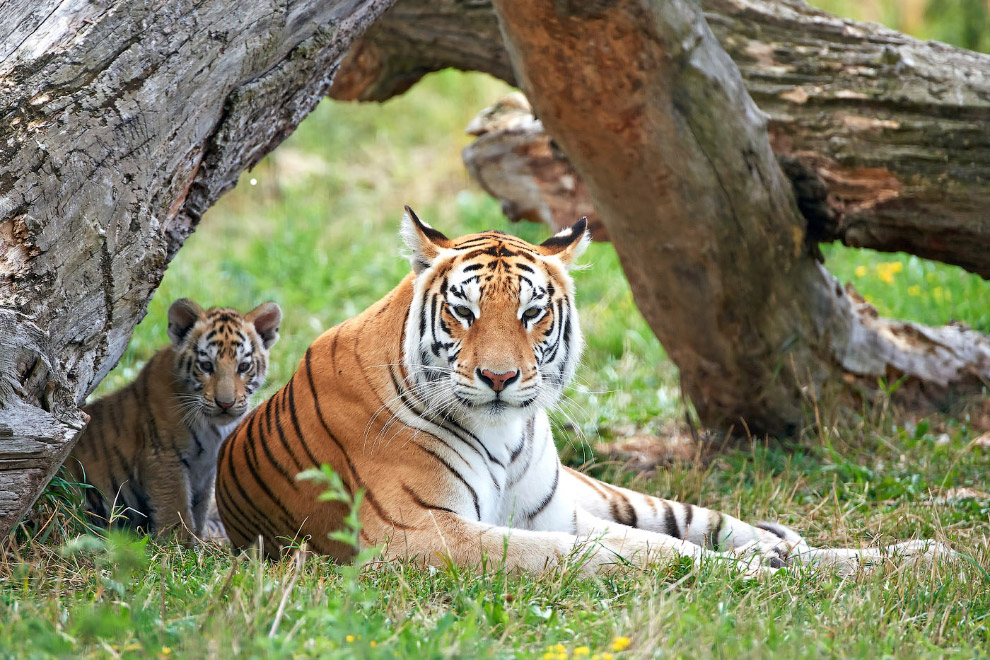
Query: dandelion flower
x=620, y=643
x=581, y=650
x=349, y=638
x=860, y=271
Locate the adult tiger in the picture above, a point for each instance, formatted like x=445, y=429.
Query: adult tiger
x=434, y=400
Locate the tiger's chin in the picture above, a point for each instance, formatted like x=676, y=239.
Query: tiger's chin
x=225, y=417
x=494, y=412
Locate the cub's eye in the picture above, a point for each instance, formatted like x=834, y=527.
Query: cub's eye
x=243, y=367
x=532, y=313
x=463, y=312
x=206, y=366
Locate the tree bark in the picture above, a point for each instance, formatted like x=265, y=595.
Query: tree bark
x=120, y=123
x=884, y=137
x=678, y=160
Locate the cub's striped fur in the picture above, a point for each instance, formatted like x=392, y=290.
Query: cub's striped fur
x=150, y=448
x=434, y=401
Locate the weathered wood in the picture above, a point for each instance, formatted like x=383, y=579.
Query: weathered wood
x=120, y=123
x=515, y=161
x=678, y=160
x=884, y=137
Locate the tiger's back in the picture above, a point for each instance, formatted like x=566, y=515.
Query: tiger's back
x=314, y=419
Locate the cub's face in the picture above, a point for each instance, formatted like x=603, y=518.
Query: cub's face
x=492, y=331
x=221, y=358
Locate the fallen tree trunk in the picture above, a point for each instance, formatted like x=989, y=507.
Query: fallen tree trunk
x=678, y=160
x=121, y=123
x=884, y=137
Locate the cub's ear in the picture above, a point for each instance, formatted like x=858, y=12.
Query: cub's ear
x=568, y=244
x=266, y=318
x=423, y=241
x=182, y=316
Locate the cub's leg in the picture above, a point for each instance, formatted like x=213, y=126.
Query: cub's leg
x=169, y=492
x=465, y=542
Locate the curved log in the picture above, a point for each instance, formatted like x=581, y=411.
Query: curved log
x=120, y=123
x=883, y=136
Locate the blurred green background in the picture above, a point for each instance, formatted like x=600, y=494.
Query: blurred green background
x=314, y=227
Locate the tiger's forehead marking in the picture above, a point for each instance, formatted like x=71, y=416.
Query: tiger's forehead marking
x=224, y=335
x=494, y=263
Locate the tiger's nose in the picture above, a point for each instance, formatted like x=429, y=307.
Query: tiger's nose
x=224, y=404
x=497, y=382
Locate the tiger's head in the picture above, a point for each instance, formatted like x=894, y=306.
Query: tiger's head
x=221, y=357
x=492, y=331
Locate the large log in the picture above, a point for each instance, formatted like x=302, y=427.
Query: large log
x=120, y=123
x=678, y=159
x=884, y=137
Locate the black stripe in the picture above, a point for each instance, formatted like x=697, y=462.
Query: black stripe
x=369, y=495
x=251, y=452
x=474, y=493
x=549, y=496
x=418, y=500
x=272, y=403
x=714, y=540
x=295, y=422
x=670, y=527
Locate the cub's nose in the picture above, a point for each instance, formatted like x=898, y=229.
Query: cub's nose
x=225, y=405
x=497, y=382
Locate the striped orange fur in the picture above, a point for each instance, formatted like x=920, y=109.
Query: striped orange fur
x=434, y=401
x=150, y=448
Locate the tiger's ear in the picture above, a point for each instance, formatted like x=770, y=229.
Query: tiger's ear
x=266, y=318
x=568, y=244
x=423, y=241
x=182, y=316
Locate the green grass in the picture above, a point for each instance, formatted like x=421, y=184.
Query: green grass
x=314, y=227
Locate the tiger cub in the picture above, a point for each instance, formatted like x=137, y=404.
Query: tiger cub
x=150, y=449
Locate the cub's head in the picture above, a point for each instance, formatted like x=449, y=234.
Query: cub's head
x=492, y=331
x=221, y=357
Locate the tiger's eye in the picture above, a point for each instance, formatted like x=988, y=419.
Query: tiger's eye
x=463, y=311
x=243, y=367
x=532, y=313
x=206, y=366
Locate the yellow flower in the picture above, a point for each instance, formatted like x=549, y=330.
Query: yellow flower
x=620, y=643
x=349, y=638
x=886, y=271
x=581, y=650
x=938, y=294
x=373, y=643
x=914, y=290
x=860, y=271
x=607, y=656
x=166, y=650
x=558, y=648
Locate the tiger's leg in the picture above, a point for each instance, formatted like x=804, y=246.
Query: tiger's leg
x=703, y=527
x=171, y=499
x=779, y=544
x=466, y=542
